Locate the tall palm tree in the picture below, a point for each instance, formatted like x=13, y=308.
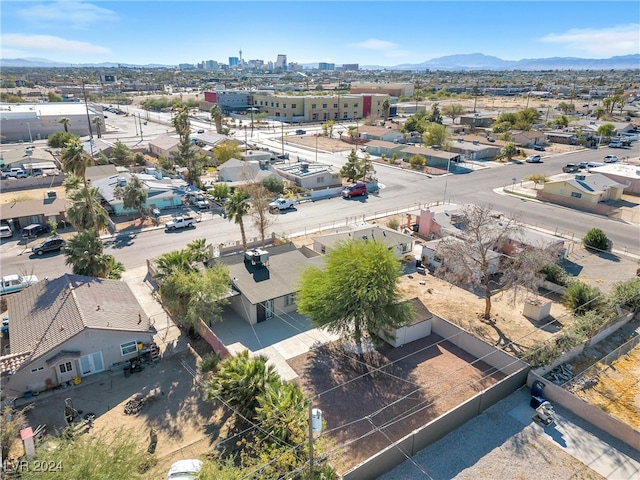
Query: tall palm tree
x=198, y=251
x=85, y=253
x=98, y=123
x=386, y=106
x=216, y=116
x=75, y=161
x=172, y=262
x=237, y=207
x=65, y=123
x=79, y=213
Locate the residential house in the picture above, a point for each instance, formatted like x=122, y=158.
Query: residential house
x=164, y=145
x=589, y=126
x=622, y=173
x=527, y=238
x=432, y=257
x=21, y=214
x=584, y=188
x=367, y=132
x=560, y=136
x=265, y=281
x=162, y=192
x=18, y=156
x=310, y=175
x=240, y=172
x=97, y=172
x=434, y=158
x=64, y=329
x=379, y=148
x=528, y=139
x=474, y=150
x=400, y=243
x=479, y=120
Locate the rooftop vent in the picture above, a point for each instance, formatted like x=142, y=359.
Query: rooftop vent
x=580, y=177
x=122, y=181
x=257, y=256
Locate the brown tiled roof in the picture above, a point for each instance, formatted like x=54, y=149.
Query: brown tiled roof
x=51, y=312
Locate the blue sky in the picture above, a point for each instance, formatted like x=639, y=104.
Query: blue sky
x=383, y=33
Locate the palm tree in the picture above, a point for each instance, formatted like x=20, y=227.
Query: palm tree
x=172, y=262
x=509, y=151
x=98, y=123
x=84, y=252
x=75, y=161
x=237, y=207
x=386, y=106
x=216, y=116
x=283, y=413
x=65, y=123
x=198, y=250
x=81, y=215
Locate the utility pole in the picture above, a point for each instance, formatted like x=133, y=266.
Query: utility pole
x=282, y=131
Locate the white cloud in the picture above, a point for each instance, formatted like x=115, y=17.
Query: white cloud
x=618, y=40
x=40, y=43
x=375, y=44
x=76, y=14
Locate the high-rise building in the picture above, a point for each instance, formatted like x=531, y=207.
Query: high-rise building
x=350, y=66
x=234, y=62
x=281, y=62
x=326, y=66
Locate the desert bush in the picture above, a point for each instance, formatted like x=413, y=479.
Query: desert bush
x=626, y=293
x=393, y=224
x=554, y=273
x=581, y=297
x=596, y=239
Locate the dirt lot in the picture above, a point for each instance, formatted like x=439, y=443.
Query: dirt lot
x=406, y=386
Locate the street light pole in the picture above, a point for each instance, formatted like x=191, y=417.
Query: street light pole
x=316, y=148
x=282, y=138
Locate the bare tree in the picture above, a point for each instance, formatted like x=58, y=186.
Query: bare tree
x=472, y=257
x=260, y=198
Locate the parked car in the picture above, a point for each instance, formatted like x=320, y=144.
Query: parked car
x=5, y=231
x=35, y=230
x=49, y=245
x=594, y=164
x=15, y=283
x=183, y=221
x=300, y=132
x=282, y=204
x=610, y=159
x=570, y=168
x=185, y=469
x=583, y=165
x=201, y=130
x=533, y=159
x=539, y=148
x=355, y=190
x=616, y=144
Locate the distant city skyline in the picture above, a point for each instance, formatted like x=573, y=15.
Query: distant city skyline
x=381, y=33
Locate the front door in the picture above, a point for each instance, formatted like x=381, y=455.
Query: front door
x=66, y=371
x=268, y=308
x=90, y=364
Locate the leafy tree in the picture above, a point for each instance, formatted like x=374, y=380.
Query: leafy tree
x=596, y=239
x=64, y=121
x=509, y=151
x=351, y=169
x=85, y=253
x=237, y=208
x=60, y=139
x=453, y=111
x=606, y=130
x=566, y=108
x=53, y=97
x=468, y=258
x=561, y=121
x=274, y=184
x=435, y=134
x=356, y=294
x=417, y=161
x=327, y=128
x=221, y=191
x=241, y=380
x=260, y=210
x=554, y=273
x=538, y=179
x=216, y=117
x=113, y=456
x=121, y=154
x=599, y=112
x=133, y=195
x=581, y=297
x=416, y=122
x=226, y=150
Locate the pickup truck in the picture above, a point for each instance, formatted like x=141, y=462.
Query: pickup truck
x=180, y=222
x=15, y=283
x=282, y=204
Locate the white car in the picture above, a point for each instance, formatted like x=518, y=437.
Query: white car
x=610, y=159
x=533, y=159
x=185, y=469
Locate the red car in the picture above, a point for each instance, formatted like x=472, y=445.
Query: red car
x=355, y=190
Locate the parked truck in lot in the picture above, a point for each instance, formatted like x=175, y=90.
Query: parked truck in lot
x=180, y=222
x=282, y=204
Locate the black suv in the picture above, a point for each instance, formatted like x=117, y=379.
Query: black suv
x=35, y=230
x=49, y=245
x=570, y=168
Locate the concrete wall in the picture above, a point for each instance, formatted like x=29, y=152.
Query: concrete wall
x=578, y=204
x=404, y=335
x=592, y=414
x=31, y=182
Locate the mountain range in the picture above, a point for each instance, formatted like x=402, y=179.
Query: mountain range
x=472, y=61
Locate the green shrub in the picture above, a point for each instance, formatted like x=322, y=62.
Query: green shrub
x=554, y=273
x=581, y=297
x=210, y=362
x=596, y=240
x=393, y=224
x=626, y=293
x=274, y=184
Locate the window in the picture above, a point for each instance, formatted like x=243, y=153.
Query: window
x=34, y=370
x=289, y=299
x=293, y=105
x=576, y=195
x=324, y=105
x=65, y=367
x=313, y=105
x=335, y=105
x=320, y=180
x=129, y=347
x=284, y=105
x=344, y=115
x=277, y=104
x=314, y=116
x=355, y=105
x=346, y=105
x=272, y=104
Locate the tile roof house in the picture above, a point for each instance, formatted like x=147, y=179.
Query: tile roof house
x=267, y=288
x=68, y=328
